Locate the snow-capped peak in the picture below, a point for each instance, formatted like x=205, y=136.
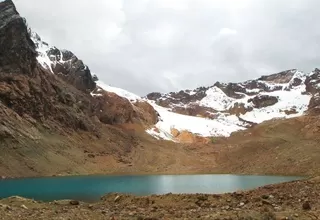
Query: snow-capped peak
x=42, y=48
x=223, y=108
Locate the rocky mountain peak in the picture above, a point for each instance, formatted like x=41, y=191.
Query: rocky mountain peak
x=282, y=94
x=282, y=77
x=53, y=88
x=65, y=64
x=17, y=50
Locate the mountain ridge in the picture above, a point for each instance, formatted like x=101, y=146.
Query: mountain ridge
x=230, y=106
x=59, y=119
x=286, y=94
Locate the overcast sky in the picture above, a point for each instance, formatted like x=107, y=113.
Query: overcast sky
x=168, y=45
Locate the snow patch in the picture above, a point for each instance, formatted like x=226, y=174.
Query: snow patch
x=288, y=100
x=160, y=134
x=120, y=92
x=223, y=126
x=216, y=99
x=42, y=49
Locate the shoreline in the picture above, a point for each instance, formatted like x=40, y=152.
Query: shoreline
x=289, y=200
x=157, y=174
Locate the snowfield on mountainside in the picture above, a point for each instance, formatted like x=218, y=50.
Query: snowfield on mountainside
x=288, y=95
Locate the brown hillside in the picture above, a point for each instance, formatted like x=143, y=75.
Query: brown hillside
x=50, y=124
x=290, y=147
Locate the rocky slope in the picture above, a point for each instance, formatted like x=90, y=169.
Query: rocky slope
x=190, y=115
x=56, y=118
x=109, y=107
x=49, y=114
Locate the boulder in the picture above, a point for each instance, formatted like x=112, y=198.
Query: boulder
x=175, y=132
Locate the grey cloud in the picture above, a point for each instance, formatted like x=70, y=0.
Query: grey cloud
x=162, y=45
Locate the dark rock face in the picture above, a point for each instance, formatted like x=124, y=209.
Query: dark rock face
x=154, y=96
x=195, y=110
x=46, y=98
x=184, y=97
x=17, y=51
x=232, y=89
x=261, y=101
x=67, y=66
x=254, y=84
x=297, y=82
x=282, y=77
x=60, y=100
x=239, y=108
x=32, y=91
x=314, y=104
x=73, y=70
x=313, y=86
x=313, y=82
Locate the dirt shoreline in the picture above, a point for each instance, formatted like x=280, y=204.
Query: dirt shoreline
x=290, y=200
x=155, y=174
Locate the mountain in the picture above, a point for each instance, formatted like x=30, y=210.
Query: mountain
x=58, y=118
x=218, y=110
x=110, y=108
x=212, y=111
x=228, y=107
x=51, y=109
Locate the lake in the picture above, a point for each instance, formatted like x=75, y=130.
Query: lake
x=91, y=188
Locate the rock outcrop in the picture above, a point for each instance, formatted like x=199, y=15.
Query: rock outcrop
x=64, y=64
x=187, y=137
x=27, y=88
x=261, y=101
x=17, y=51
x=313, y=87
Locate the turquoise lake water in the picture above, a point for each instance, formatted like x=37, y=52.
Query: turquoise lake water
x=91, y=188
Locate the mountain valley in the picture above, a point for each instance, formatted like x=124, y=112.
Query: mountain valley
x=57, y=118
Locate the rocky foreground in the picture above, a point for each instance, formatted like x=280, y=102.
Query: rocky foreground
x=292, y=200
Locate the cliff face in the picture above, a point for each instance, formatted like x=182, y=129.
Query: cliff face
x=50, y=109
x=17, y=50
x=64, y=64
x=313, y=87
x=51, y=85
x=56, y=117
x=30, y=90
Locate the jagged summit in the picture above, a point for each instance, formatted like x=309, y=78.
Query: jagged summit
x=64, y=63
x=74, y=92
x=57, y=118
x=17, y=51
x=217, y=110
x=285, y=94
x=53, y=86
